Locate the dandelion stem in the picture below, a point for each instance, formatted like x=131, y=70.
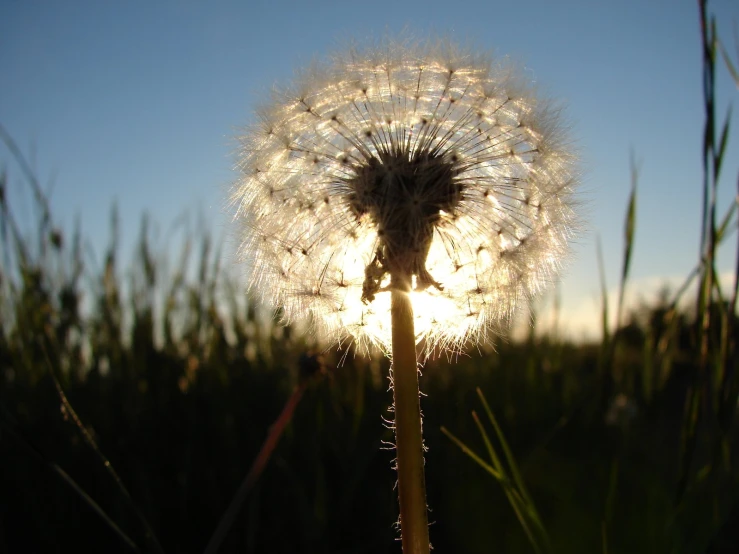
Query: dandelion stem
x=408, y=426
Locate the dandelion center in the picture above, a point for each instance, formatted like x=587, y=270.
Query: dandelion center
x=404, y=195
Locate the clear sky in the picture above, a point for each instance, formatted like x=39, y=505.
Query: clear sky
x=138, y=102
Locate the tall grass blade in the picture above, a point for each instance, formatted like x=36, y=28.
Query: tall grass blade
x=629, y=229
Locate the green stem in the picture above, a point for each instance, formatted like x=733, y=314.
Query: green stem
x=408, y=440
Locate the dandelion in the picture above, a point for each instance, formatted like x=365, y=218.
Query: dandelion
x=411, y=194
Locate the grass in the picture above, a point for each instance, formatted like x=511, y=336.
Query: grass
x=134, y=400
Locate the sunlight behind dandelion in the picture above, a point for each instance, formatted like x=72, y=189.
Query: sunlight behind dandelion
x=425, y=161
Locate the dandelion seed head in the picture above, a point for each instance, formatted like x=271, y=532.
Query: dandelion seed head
x=421, y=167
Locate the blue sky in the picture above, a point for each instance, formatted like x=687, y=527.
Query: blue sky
x=137, y=102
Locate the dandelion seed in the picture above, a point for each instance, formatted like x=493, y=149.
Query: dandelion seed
x=418, y=161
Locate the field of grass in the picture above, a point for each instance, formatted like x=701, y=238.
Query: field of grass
x=134, y=399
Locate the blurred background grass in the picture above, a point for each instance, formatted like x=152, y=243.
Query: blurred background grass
x=134, y=398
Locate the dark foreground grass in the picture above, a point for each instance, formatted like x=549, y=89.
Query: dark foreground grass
x=133, y=401
x=182, y=425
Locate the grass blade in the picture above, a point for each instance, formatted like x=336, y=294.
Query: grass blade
x=70, y=411
x=514, y=498
x=517, y=479
x=729, y=64
x=629, y=228
x=475, y=458
x=12, y=426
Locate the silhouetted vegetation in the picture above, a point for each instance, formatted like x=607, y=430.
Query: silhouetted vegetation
x=134, y=398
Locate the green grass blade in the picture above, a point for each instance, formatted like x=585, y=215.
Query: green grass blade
x=514, y=498
x=527, y=501
x=519, y=508
x=729, y=64
x=489, y=446
x=629, y=228
x=725, y=222
x=466, y=449
x=517, y=502
x=517, y=479
x=719, y=154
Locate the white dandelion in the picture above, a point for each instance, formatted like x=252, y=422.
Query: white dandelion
x=407, y=194
x=427, y=163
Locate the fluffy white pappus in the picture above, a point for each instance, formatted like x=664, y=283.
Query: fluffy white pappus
x=422, y=164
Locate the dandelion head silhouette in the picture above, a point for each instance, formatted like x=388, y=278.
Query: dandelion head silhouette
x=420, y=167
